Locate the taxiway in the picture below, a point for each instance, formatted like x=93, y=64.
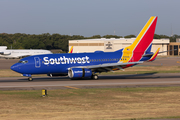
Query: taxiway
x=110, y=81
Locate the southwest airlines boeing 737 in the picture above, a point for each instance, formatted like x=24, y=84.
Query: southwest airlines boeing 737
x=86, y=65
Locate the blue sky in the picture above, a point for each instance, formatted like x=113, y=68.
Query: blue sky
x=88, y=17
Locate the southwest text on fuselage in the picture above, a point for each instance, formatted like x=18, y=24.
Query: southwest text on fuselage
x=64, y=60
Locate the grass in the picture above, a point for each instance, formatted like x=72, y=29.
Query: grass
x=106, y=103
x=131, y=70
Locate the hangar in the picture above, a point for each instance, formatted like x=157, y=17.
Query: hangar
x=112, y=44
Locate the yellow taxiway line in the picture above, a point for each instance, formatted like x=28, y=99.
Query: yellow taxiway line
x=71, y=87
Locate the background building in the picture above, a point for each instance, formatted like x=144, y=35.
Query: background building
x=112, y=44
x=174, y=49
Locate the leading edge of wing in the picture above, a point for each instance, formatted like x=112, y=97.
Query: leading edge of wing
x=107, y=65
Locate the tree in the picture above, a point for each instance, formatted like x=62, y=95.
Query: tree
x=54, y=41
x=111, y=36
x=129, y=36
x=173, y=38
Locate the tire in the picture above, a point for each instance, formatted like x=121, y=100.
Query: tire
x=30, y=79
x=95, y=77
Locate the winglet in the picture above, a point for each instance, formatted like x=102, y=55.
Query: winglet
x=154, y=56
x=71, y=50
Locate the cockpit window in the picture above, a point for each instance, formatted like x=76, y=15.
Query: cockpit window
x=24, y=61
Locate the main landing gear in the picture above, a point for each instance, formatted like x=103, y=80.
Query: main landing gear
x=30, y=79
x=94, y=76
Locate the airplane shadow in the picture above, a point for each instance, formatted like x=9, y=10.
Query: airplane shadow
x=150, y=75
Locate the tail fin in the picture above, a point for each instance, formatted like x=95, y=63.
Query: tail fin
x=141, y=43
x=149, y=49
x=71, y=50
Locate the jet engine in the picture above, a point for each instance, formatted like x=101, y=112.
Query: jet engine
x=79, y=73
x=5, y=53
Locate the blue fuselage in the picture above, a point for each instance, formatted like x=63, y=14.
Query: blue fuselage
x=59, y=63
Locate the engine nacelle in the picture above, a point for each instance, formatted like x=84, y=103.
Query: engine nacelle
x=5, y=53
x=79, y=73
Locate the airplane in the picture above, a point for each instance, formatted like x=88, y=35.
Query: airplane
x=87, y=65
x=15, y=53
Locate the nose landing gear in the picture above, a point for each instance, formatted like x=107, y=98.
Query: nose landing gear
x=29, y=77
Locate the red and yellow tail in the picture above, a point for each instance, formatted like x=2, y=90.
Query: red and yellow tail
x=71, y=50
x=135, y=51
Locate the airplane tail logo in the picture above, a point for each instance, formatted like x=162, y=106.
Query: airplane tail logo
x=141, y=44
x=71, y=50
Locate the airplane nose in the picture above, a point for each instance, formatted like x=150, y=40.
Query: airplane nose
x=14, y=67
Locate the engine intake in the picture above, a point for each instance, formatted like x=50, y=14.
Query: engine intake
x=79, y=73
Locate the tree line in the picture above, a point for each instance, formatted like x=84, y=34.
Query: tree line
x=54, y=41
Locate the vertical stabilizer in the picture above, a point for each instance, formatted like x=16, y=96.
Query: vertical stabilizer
x=142, y=42
x=71, y=50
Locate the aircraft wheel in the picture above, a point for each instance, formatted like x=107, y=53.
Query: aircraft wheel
x=94, y=77
x=30, y=79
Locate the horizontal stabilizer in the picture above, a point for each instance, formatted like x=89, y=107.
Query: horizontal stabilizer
x=146, y=55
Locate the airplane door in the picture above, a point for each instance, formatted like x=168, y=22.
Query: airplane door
x=37, y=62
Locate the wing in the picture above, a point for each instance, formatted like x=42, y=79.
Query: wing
x=108, y=66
